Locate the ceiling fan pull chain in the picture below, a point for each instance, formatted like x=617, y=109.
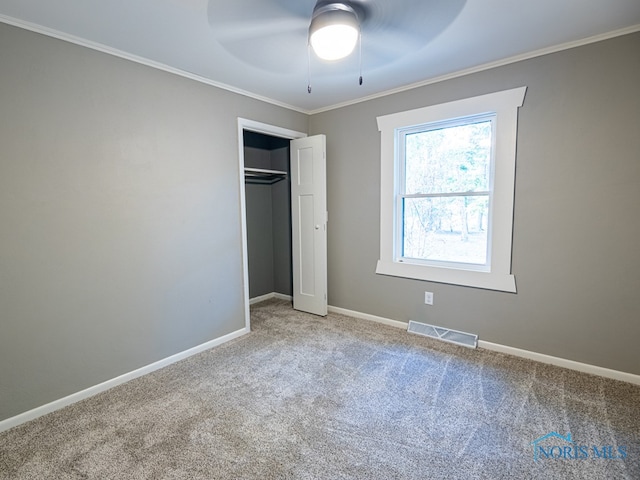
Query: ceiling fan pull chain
x=360, y=38
x=308, y=67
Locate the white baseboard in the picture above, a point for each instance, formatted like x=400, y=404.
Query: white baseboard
x=518, y=352
x=101, y=387
x=562, y=362
x=366, y=316
x=269, y=296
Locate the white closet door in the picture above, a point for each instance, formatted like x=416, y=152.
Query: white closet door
x=309, y=224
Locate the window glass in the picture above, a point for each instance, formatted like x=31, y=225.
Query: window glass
x=444, y=163
x=446, y=229
x=448, y=159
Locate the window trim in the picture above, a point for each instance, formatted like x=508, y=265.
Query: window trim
x=504, y=105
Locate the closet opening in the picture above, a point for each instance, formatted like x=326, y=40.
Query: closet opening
x=265, y=209
x=268, y=215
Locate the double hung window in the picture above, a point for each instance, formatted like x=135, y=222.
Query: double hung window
x=448, y=177
x=444, y=195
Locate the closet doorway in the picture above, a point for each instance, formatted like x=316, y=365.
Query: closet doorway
x=264, y=153
x=283, y=190
x=268, y=210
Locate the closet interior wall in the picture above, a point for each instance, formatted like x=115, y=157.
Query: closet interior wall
x=268, y=217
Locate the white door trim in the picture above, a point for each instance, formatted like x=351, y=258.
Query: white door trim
x=275, y=131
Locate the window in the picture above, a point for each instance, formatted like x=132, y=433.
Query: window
x=444, y=192
x=447, y=189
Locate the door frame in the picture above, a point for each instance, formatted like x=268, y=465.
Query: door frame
x=273, y=131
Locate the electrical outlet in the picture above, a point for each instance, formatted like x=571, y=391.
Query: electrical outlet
x=428, y=298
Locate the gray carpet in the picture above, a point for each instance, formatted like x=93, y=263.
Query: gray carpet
x=304, y=397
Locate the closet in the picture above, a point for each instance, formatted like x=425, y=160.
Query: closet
x=268, y=213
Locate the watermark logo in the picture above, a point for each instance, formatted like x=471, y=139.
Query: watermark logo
x=563, y=447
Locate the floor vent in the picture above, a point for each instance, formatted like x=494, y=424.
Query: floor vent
x=446, y=334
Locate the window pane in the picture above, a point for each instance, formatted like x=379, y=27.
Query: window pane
x=448, y=229
x=449, y=160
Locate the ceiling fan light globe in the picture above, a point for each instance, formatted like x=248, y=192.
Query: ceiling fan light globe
x=334, y=42
x=334, y=30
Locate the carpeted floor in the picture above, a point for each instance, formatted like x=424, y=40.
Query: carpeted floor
x=304, y=397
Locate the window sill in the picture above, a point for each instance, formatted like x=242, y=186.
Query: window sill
x=468, y=278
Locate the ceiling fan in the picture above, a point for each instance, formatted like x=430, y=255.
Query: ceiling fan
x=274, y=35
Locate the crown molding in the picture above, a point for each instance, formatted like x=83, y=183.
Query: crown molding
x=485, y=66
x=49, y=32
x=176, y=71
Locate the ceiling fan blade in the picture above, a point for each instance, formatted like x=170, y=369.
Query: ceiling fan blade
x=389, y=32
x=299, y=8
x=256, y=29
x=269, y=35
x=278, y=53
x=239, y=11
x=420, y=20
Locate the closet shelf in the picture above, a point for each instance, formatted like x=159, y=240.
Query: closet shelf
x=263, y=176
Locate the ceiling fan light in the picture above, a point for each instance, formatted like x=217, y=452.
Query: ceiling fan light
x=334, y=41
x=334, y=31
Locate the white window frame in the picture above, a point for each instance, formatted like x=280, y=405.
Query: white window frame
x=505, y=106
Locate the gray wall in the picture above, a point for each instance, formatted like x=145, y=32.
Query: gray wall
x=576, y=226
x=119, y=213
x=268, y=225
x=281, y=198
x=119, y=216
x=259, y=226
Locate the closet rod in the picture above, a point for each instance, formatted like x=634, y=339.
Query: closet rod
x=262, y=172
x=263, y=176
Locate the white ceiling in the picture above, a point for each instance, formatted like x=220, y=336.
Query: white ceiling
x=260, y=46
